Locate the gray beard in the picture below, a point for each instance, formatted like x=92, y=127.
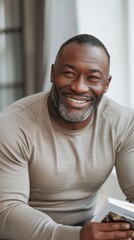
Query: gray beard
x=65, y=114
x=73, y=117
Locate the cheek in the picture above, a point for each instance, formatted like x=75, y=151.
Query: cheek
x=60, y=82
x=98, y=90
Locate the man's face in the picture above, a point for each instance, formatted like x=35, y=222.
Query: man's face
x=76, y=90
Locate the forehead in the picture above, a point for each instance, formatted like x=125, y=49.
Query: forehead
x=82, y=54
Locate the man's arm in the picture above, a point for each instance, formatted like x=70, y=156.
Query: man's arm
x=17, y=219
x=125, y=165
x=125, y=172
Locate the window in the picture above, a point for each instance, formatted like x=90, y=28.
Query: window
x=11, y=72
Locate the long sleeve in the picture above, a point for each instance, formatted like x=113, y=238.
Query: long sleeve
x=17, y=219
x=125, y=162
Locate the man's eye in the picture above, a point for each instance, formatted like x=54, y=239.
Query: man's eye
x=93, y=78
x=69, y=74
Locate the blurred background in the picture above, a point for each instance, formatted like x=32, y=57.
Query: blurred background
x=31, y=32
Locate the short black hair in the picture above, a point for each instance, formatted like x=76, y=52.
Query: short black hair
x=84, y=39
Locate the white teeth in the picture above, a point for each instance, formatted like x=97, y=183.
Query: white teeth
x=75, y=101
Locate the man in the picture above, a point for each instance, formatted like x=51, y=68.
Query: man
x=58, y=148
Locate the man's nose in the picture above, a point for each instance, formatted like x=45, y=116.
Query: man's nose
x=79, y=85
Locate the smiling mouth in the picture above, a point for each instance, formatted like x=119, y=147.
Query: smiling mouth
x=80, y=99
x=76, y=101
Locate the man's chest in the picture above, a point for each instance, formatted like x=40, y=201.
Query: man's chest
x=61, y=164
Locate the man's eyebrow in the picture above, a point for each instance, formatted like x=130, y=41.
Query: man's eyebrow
x=69, y=65
x=95, y=70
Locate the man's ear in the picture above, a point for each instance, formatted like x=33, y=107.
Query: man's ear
x=52, y=73
x=107, y=83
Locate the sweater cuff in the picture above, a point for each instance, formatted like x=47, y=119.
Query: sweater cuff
x=64, y=232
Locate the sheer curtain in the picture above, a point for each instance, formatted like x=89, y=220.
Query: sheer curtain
x=130, y=27
x=60, y=23
x=111, y=21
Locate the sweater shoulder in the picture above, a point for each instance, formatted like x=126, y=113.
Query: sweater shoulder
x=27, y=111
x=116, y=114
x=33, y=104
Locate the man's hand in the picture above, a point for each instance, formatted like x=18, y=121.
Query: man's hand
x=106, y=231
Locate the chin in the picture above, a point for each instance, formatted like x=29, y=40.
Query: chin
x=74, y=116
x=77, y=117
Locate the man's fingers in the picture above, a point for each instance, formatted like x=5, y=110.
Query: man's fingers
x=116, y=235
x=106, y=231
x=114, y=226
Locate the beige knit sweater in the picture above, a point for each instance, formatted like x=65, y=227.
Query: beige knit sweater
x=50, y=176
